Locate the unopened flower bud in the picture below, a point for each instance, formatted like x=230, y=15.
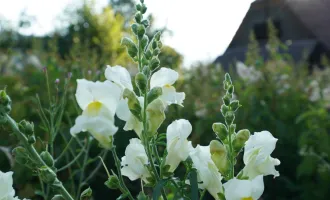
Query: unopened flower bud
x=227, y=78
x=86, y=194
x=148, y=55
x=154, y=93
x=26, y=127
x=58, y=197
x=130, y=45
x=138, y=7
x=47, y=158
x=31, y=139
x=57, y=81
x=229, y=117
x=144, y=42
x=47, y=175
x=145, y=23
x=220, y=130
x=234, y=105
x=5, y=102
x=155, y=116
x=226, y=100
x=112, y=182
x=133, y=103
x=160, y=44
x=143, y=9
x=154, y=44
x=241, y=137
x=232, y=128
x=135, y=28
x=154, y=63
x=156, y=52
x=157, y=36
x=141, y=30
x=21, y=155
x=231, y=89
x=141, y=82
x=146, y=71
x=219, y=156
x=224, y=109
x=138, y=17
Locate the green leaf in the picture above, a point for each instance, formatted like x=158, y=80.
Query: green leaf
x=194, y=184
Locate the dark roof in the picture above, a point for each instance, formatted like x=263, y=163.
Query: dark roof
x=315, y=15
x=297, y=50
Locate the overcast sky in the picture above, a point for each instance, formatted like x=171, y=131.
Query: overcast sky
x=211, y=24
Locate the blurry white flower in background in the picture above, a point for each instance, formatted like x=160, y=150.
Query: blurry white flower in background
x=314, y=91
x=248, y=74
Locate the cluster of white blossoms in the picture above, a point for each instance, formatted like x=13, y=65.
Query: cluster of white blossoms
x=7, y=191
x=249, y=74
x=101, y=101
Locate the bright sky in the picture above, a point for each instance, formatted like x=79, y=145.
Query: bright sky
x=202, y=29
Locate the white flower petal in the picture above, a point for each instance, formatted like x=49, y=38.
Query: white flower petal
x=134, y=124
x=84, y=94
x=162, y=77
x=122, y=110
x=6, y=185
x=170, y=96
x=120, y=76
x=236, y=189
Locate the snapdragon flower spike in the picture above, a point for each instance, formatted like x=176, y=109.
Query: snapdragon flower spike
x=7, y=191
x=236, y=189
x=135, y=160
x=99, y=101
x=207, y=172
x=249, y=74
x=257, y=157
x=178, y=147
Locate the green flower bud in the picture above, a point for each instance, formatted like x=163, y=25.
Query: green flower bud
x=226, y=100
x=141, y=82
x=47, y=158
x=138, y=7
x=86, y=194
x=226, y=85
x=47, y=175
x=229, y=117
x=26, y=127
x=135, y=28
x=31, y=139
x=154, y=93
x=5, y=102
x=3, y=119
x=224, y=109
x=160, y=44
x=154, y=63
x=138, y=17
x=142, y=196
x=234, y=105
x=148, y=55
x=221, y=130
x=130, y=46
x=156, y=52
x=219, y=156
x=143, y=9
x=154, y=44
x=145, y=23
x=58, y=197
x=144, y=42
x=133, y=103
x=241, y=137
x=155, y=116
x=21, y=155
x=157, y=35
x=231, y=89
x=146, y=71
x=232, y=128
x=228, y=79
x=112, y=182
x=140, y=31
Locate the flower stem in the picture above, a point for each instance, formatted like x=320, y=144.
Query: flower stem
x=120, y=177
x=35, y=156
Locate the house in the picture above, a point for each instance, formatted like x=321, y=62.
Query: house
x=304, y=23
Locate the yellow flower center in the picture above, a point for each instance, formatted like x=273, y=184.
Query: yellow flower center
x=94, y=108
x=167, y=86
x=247, y=198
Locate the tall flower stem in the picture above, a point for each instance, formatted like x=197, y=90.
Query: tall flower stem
x=120, y=177
x=35, y=156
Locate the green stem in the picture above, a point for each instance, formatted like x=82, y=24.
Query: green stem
x=202, y=195
x=231, y=155
x=120, y=177
x=65, y=149
x=82, y=176
x=35, y=156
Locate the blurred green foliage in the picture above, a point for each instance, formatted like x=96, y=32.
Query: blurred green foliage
x=92, y=40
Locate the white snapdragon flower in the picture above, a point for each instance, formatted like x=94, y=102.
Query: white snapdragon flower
x=236, y=189
x=207, y=172
x=249, y=74
x=135, y=160
x=99, y=101
x=314, y=91
x=178, y=147
x=7, y=191
x=257, y=157
x=120, y=76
